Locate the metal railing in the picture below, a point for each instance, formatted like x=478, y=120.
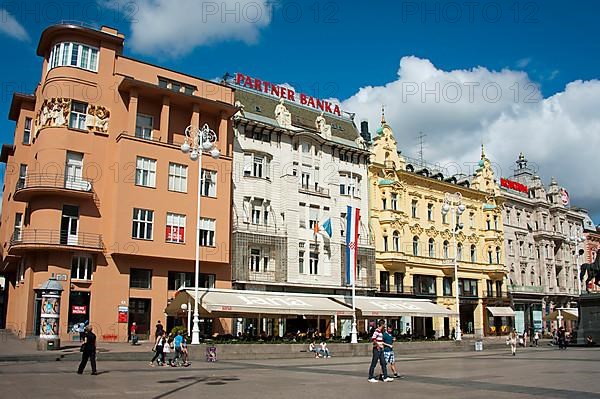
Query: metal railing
x=314, y=190
x=48, y=180
x=525, y=288
x=43, y=237
x=258, y=228
x=261, y=276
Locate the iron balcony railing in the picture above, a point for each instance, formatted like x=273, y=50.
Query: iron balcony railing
x=47, y=180
x=307, y=188
x=43, y=237
x=261, y=276
x=258, y=228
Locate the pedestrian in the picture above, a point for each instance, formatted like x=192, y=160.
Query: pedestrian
x=512, y=341
x=313, y=348
x=88, y=350
x=158, y=349
x=378, y=355
x=324, y=350
x=184, y=351
x=525, y=338
x=388, y=351
x=536, y=338
x=159, y=329
x=166, y=356
x=133, y=333
x=177, y=342
x=562, y=338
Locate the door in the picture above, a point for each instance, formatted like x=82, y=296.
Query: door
x=74, y=171
x=139, y=311
x=79, y=311
x=69, y=225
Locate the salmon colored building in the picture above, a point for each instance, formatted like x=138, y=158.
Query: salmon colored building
x=98, y=194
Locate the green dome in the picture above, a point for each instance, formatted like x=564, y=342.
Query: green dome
x=380, y=130
x=481, y=163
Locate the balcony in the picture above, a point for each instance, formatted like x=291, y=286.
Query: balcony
x=41, y=239
x=38, y=184
x=259, y=228
x=267, y=276
x=312, y=190
x=525, y=289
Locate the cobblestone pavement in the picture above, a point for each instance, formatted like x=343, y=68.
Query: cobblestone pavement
x=533, y=373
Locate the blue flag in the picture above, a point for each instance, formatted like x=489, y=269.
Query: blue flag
x=326, y=226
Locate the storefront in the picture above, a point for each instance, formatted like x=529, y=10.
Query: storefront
x=500, y=320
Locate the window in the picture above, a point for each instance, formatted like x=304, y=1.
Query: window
x=414, y=208
x=254, y=260
x=384, y=203
x=495, y=222
x=77, y=115
x=431, y=248
x=256, y=166
x=306, y=148
x=145, y=172
x=511, y=249
x=176, y=280
x=472, y=220
x=394, y=201
x=301, y=261
x=473, y=253
x=424, y=285
x=518, y=218
x=143, y=126
x=415, y=246
x=488, y=224
x=74, y=54
x=385, y=243
x=82, y=267
x=140, y=278
x=445, y=218
x=429, y=212
x=384, y=281
x=260, y=213
x=21, y=270
x=490, y=288
x=175, y=228
x=21, y=183
x=177, y=177
x=498, y=255
x=490, y=257
x=499, y=288
x=446, y=255
x=18, y=230
x=467, y=287
x=508, y=216
x=399, y=282
x=313, y=217
x=207, y=232
x=396, y=241
x=27, y=131
x=314, y=263
x=459, y=251
x=209, y=183
x=349, y=184
x=447, y=283
x=143, y=220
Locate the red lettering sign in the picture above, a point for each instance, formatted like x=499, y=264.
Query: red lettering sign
x=122, y=317
x=285, y=92
x=513, y=185
x=78, y=309
x=175, y=234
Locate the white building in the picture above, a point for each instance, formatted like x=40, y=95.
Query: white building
x=294, y=168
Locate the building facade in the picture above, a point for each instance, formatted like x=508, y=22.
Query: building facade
x=295, y=168
x=98, y=194
x=543, y=234
x=414, y=242
x=591, y=246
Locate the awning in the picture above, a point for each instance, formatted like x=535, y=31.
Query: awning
x=566, y=313
x=396, y=307
x=501, y=311
x=227, y=303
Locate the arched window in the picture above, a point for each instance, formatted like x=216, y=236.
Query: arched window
x=495, y=222
x=431, y=248
x=488, y=223
x=473, y=253
x=385, y=243
x=446, y=256
x=459, y=251
x=498, y=253
x=490, y=256
x=415, y=246
x=396, y=241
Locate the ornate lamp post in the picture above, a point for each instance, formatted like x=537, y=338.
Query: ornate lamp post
x=453, y=205
x=197, y=141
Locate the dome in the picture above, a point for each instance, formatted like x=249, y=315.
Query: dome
x=380, y=130
x=481, y=163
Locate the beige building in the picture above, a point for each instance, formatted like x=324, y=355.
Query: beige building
x=98, y=194
x=415, y=246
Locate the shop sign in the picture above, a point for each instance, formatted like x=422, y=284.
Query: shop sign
x=513, y=185
x=77, y=309
x=286, y=93
x=123, y=313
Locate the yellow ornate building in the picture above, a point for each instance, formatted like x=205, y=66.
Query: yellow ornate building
x=415, y=244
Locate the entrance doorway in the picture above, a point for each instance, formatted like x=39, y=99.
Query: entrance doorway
x=467, y=318
x=139, y=312
x=69, y=225
x=79, y=310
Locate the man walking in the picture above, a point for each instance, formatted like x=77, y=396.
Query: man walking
x=89, y=351
x=388, y=350
x=378, y=355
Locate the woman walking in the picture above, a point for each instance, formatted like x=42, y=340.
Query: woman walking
x=88, y=350
x=158, y=350
x=512, y=341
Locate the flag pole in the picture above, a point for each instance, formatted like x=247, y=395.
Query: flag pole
x=354, y=333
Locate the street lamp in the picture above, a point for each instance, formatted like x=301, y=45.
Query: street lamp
x=197, y=141
x=453, y=205
x=575, y=240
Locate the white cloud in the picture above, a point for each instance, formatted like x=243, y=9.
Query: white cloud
x=175, y=27
x=11, y=27
x=523, y=62
x=559, y=134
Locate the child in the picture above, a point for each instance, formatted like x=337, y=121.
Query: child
x=323, y=350
x=312, y=348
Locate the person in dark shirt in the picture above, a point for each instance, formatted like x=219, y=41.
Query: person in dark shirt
x=159, y=329
x=88, y=351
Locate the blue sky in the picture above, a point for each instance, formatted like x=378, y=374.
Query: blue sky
x=335, y=48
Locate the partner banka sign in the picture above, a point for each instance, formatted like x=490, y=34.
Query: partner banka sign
x=286, y=93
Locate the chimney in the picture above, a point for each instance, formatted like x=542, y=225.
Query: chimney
x=364, y=131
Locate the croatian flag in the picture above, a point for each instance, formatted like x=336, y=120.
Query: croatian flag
x=352, y=219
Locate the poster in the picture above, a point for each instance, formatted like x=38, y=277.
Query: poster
x=520, y=321
x=537, y=320
x=123, y=314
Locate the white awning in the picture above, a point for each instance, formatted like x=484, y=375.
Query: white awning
x=566, y=313
x=501, y=311
x=396, y=307
x=222, y=302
